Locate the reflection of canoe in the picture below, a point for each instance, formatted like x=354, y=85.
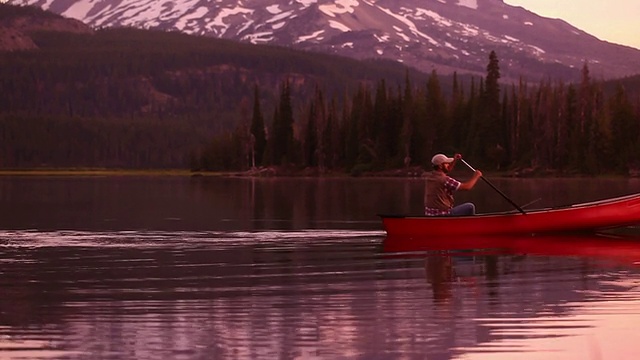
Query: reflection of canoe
x=622, y=249
x=610, y=213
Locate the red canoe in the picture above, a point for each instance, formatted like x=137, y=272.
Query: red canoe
x=592, y=216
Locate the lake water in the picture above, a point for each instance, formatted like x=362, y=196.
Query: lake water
x=236, y=268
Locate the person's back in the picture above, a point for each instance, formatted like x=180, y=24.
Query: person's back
x=439, y=188
x=438, y=193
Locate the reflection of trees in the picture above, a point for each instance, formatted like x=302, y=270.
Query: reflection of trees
x=491, y=266
x=302, y=203
x=314, y=296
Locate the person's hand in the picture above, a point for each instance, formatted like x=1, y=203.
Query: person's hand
x=478, y=173
x=457, y=156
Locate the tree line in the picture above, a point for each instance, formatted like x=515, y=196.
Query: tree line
x=552, y=126
x=147, y=99
x=130, y=98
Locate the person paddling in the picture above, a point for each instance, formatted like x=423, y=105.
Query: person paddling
x=439, y=188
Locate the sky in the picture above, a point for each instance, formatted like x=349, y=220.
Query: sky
x=615, y=21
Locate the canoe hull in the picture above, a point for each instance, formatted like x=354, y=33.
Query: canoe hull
x=592, y=216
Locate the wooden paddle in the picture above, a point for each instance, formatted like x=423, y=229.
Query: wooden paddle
x=494, y=188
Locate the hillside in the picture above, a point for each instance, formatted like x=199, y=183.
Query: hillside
x=446, y=35
x=162, y=72
x=124, y=97
x=17, y=23
x=180, y=87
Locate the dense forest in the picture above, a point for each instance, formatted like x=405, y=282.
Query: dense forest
x=131, y=98
x=127, y=98
x=550, y=127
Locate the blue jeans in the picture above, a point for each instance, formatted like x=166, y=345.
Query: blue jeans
x=463, y=209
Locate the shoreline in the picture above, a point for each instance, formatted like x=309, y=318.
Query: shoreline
x=413, y=172
x=96, y=172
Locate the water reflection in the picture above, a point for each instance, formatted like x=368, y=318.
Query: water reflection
x=255, y=204
x=538, y=308
x=204, y=268
x=439, y=270
x=313, y=294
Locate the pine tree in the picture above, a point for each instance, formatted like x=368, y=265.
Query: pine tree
x=257, y=130
x=492, y=130
x=456, y=111
x=586, y=111
x=282, y=146
x=408, y=112
x=625, y=129
x=310, y=142
x=436, y=110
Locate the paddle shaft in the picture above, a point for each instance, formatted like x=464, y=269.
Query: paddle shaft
x=494, y=188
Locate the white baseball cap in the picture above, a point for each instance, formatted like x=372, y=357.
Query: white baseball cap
x=440, y=159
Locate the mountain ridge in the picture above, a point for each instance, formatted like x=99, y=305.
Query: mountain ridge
x=446, y=35
x=17, y=22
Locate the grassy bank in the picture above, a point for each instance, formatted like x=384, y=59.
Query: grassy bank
x=102, y=172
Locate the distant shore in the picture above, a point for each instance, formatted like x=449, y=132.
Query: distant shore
x=266, y=172
x=96, y=172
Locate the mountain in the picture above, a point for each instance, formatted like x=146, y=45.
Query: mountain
x=445, y=35
x=17, y=22
x=152, y=67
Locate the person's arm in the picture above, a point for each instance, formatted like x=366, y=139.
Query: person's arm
x=456, y=157
x=469, y=184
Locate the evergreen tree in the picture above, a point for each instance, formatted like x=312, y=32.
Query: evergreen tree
x=331, y=137
x=321, y=119
x=471, y=126
x=407, y=128
x=310, y=142
x=436, y=111
x=258, y=133
x=381, y=121
x=572, y=118
x=456, y=111
x=625, y=130
x=419, y=148
x=282, y=145
x=493, y=132
x=586, y=110
x=393, y=128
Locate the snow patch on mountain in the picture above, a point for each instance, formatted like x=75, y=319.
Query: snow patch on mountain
x=339, y=26
x=309, y=37
x=411, y=25
x=511, y=38
x=339, y=7
x=191, y=19
x=470, y=30
x=274, y=9
x=382, y=39
x=260, y=38
x=79, y=10
x=472, y=4
x=280, y=17
x=306, y=3
x=433, y=15
x=448, y=44
x=219, y=21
